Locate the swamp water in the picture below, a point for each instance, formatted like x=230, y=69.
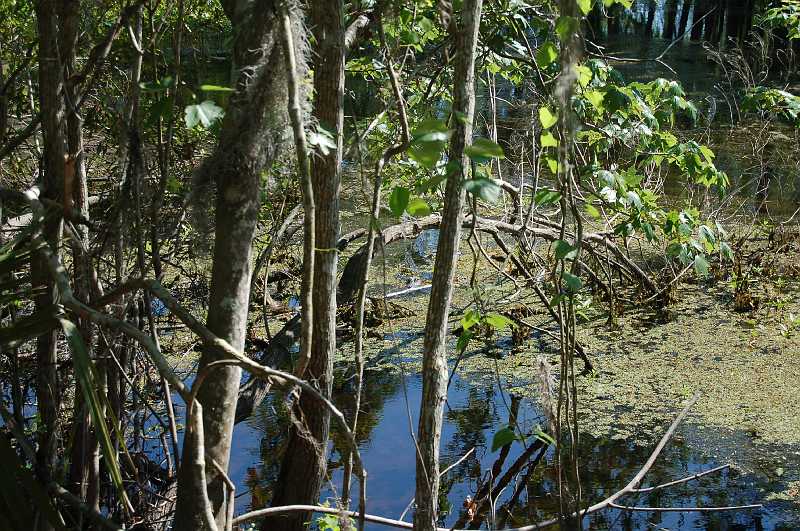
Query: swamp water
x=646, y=371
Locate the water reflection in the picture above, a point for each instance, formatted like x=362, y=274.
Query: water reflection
x=474, y=414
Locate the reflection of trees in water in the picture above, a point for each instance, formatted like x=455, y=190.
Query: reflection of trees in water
x=379, y=386
x=272, y=420
x=607, y=465
x=476, y=413
x=469, y=421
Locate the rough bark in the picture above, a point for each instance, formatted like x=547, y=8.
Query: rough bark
x=52, y=113
x=304, y=467
x=434, y=370
x=85, y=460
x=252, y=130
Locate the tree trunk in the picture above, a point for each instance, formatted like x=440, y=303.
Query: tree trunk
x=701, y=8
x=52, y=112
x=715, y=22
x=85, y=458
x=434, y=370
x=670, y=12
x=687, y=7
x=651, y=17
x=737, y=17
x=252, y=130
x=303, y=468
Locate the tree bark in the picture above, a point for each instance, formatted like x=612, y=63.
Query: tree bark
x=685, y=9
x=670, y=12
x=252, y=130
x=52, y=113
x=434, y=370
x=303, y=468
x=701, y=7
x=85, y=460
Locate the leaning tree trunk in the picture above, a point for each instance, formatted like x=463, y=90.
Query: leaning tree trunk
x=434, y=369
x=52, y=112
x=304, y=465
x=252, y=130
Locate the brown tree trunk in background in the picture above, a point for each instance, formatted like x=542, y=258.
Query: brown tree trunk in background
x=305, y=463
x=687, y=7
x=716, y=21
x=615, y=13
x=595, y=20
x=651, y=17
x=737, y=17
x=52, y=112
x=670, y=14
x=85, y=458
x=434, y=365
x=252, y=130
x=701, y=7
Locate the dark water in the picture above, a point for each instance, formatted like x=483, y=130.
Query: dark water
x=474, y=413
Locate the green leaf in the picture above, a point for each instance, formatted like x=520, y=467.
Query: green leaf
x=700, y=265
x=552, y=164
x=546, y=197
x=484, y=188
x=427, y=153
x=564, y=251
x=418, y=208
x=595, y=97
x=482, y=150
x=84, y=372
x=543, y=436
x=546, y=117
x=503, y=437
x=470, y=319
x=463, y=340
x=546, y=54
x=565, y=27
x=585, y=6
x=548, y=140
x=592, y=210
x=584, y=75
x=161, y=85
x=574, y=283
x=726, y=251
x=202, y=114
x=497, y=321
x=216, y=88
x=398, y=200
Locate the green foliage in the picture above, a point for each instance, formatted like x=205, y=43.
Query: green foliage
x=785, y=15
x=398, y=201
x=507, y=435
x=483, y=150
x=88, y=383
x=773, y=102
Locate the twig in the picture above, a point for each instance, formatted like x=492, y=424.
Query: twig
x=684, y=480
x=230, y=495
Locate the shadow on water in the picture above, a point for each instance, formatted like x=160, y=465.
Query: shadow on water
x=474, y=413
